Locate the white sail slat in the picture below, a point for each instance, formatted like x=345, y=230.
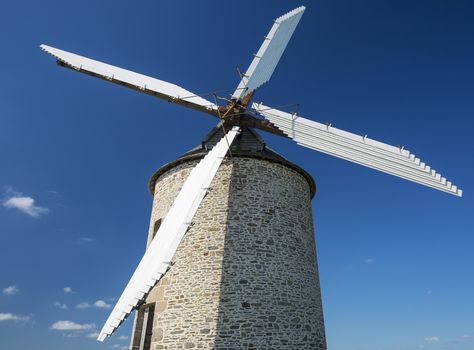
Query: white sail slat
x=356, y=148
x=266, y=59
x=152, y=86
x=163, y=247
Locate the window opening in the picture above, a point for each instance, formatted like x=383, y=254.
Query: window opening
x=156, y=227
x=144, y=328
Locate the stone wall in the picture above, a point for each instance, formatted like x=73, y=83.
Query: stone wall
x=245, y=274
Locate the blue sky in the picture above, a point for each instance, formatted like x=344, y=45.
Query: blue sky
x=395, y=258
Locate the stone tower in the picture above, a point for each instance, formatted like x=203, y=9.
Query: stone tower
x=245, y=274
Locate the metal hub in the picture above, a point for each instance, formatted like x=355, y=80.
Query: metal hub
x=235, y=113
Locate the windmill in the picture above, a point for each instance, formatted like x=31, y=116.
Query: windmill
x=239, y=115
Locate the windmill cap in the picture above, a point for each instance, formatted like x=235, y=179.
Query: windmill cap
x=249, y=144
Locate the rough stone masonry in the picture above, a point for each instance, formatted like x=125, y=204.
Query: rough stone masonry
x=245, y=275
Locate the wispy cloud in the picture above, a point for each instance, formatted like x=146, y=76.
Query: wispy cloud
x=71, y=326
x=12, y=317
x=10, y=290
x=433, y=339
x=24, y=204
x=429, y=292
x=369, y=260
x=60, y=305
x=71, y=335
x=68, y=290
x=123, y=337
x=100, y=304
x=92, y=335
x=83, y=305
x=86, y=240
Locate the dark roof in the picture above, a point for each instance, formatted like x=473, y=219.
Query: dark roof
x=247, y=144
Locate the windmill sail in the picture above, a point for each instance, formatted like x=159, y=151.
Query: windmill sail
x=358, y=149
x=267, y=57
x=155, y=262
x=159, y=88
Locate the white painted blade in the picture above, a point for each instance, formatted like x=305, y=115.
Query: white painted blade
x=267, y=57
x=155, y=262
x=358, y=149
x=159, y=88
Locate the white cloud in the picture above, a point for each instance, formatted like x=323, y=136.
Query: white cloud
x=70, y=335
x=83, y=305
x=123, y=337
x=86, y=239
x=432, y=338
x=369, y=261
x=466, y=336
x=92, y=335
x=10, y=290
x=60, y=305
x=25, y=204
x=102, y=304
x=68, y=290
x=71, y=326
x=12, y=317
